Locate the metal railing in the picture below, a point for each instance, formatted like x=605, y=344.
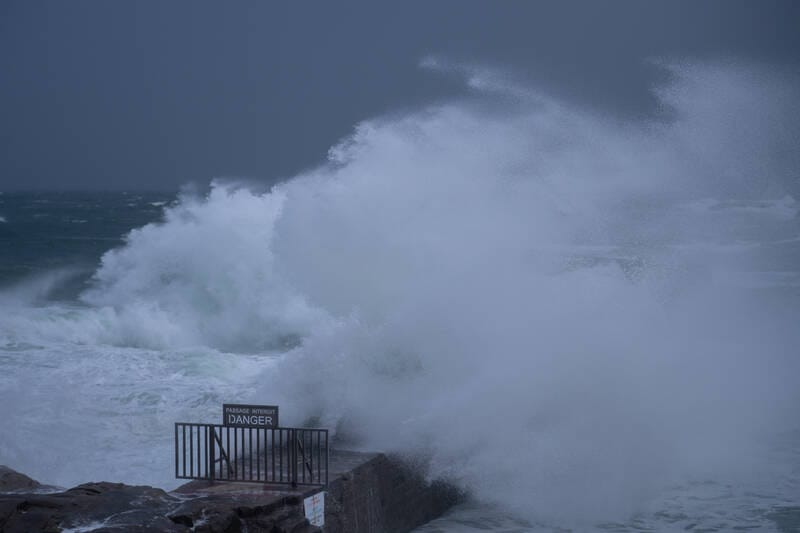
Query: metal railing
x=286, y=456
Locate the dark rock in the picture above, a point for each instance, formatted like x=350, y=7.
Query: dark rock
x=104, y=505
x=226, y=508
x=11, y=480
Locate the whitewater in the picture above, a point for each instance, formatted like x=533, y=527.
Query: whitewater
x=585, y=321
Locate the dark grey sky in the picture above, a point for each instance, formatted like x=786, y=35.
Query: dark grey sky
x=150, y=95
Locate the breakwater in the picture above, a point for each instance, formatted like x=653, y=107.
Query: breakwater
x=368, y=492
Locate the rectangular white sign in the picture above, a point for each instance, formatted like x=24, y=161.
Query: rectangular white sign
x=315, y=509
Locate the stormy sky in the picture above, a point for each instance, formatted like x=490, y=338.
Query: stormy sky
x=151, y=95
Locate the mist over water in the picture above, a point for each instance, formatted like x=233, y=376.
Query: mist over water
x=563, y=312
x=534, y=297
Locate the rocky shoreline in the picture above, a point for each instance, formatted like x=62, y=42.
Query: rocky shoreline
x=368, y=493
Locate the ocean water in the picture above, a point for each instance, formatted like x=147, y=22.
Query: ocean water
x=585, y=323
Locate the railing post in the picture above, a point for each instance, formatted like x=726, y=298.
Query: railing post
x=327, y=457
x=176, y=450
x=212, y=459
x=293, y=454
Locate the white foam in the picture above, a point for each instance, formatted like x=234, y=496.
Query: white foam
x=511, y=295
x=784, y=208
x=87, y=527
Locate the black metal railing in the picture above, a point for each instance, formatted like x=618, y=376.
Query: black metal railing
x=286, y=456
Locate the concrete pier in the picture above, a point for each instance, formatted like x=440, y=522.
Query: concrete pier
x=367, y=493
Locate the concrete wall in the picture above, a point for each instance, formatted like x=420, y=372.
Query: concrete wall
x=383, y=494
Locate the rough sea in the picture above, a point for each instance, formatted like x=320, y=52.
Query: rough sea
x=587, y=324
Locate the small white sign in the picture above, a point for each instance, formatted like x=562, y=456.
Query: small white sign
x=315, y=509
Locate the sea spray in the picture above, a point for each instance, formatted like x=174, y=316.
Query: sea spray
x=526, y=296
x=206, y=276
x=535, y=300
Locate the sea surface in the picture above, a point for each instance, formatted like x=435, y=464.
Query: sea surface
x=80, y=406
x=587, y=323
